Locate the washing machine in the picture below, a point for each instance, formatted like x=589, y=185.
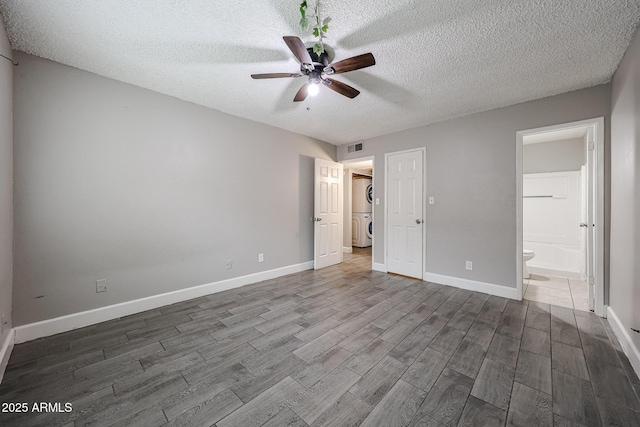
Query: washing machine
x=362, y=195
x=362, y=230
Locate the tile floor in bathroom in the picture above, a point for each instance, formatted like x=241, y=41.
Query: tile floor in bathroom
x=562, y=291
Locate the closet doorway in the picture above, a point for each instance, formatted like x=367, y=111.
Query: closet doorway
x=359, y=209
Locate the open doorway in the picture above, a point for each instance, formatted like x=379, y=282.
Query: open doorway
x=560, y=246
x=359, y=202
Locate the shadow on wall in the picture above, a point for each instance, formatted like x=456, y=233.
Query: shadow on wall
x=306, y=166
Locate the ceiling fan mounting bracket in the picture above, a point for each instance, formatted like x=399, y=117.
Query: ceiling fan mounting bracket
x=322, y=59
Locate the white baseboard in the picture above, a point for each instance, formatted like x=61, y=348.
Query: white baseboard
x=73, y=321
x=347, y=249
x=472, y=285
x=5, y=352
x=376, y=266
x=554, y=272
x=632, y=352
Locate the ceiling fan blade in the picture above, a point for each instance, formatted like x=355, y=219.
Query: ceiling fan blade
x=302, y=93
x=275, y=75
x=341, y=88
x=354, y=63
x=299, y=49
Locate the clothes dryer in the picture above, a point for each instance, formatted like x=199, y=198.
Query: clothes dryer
x=362, y=228
x=362, y=195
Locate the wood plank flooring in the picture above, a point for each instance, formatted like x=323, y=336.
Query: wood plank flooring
x=342, y=346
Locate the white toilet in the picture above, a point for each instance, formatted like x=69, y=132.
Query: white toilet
x=527, y=255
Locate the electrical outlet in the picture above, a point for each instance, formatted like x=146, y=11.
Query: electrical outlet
x=260, y=257
x=228, y=265
x=101, y=285
x=469, y=265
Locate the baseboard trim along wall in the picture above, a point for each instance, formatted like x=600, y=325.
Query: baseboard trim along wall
x=5, y=352
x=73, y=321
x=632, y=352
x=472, y=285
x=376, y=266
x=347, y=249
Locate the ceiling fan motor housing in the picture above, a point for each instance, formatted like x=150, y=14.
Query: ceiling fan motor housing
x=320, y=62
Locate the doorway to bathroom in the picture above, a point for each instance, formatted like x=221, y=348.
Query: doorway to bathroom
x=560, y=214
x=359, y=203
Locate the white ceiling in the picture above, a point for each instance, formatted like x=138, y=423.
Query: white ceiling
x=436, y=59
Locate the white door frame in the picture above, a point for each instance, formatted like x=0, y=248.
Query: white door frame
x=423, y=150
x=598, y=126
x=349, y=209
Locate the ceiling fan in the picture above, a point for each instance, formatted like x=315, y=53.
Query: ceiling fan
x=317, y=68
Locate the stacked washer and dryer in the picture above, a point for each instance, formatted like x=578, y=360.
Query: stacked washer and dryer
x=362, y=222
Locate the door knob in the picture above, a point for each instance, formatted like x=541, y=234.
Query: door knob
x=418, y=221
x=583, y=225
x=317, y=219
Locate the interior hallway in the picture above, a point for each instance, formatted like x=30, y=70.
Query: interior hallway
x=339, y=346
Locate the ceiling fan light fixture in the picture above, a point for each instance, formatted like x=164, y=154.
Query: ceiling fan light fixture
x=313, y=88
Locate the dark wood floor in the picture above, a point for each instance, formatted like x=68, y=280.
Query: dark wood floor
x=342, y=346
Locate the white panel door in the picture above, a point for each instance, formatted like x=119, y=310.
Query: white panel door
x=405, y=214
x=328, y=213
x=592, y=191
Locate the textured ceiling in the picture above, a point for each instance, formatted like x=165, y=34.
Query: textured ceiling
x=436, y=59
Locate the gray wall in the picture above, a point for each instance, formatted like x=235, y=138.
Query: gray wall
x=149, y=192
x=624, y=297
x=554, y=156
x=6, y=181
x=471, y=171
